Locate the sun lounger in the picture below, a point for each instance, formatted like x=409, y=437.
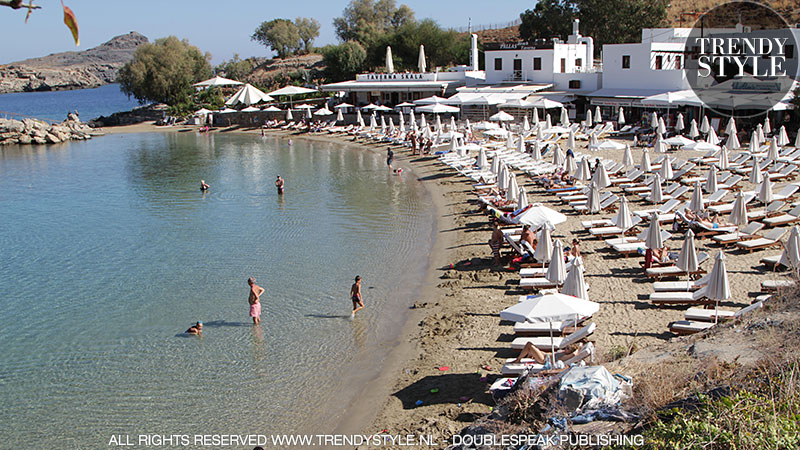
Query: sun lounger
x=680, y=286
x=748, y=232
x=663, y=209
x=728, y=207
x=704, y=229
x=543, y=328
x=697, y=297
x=518, y=368
x=772, y=261
x=609, y=203
x=712, y=314
x=771, y=210
x=771, y=239
x=545, y=344
x=611, y=231
x=674, y=271
x=783, y=219
x=786, y=193
x=774, y=285
x=684, y=327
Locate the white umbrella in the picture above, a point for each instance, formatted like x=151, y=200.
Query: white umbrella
x=627, y=158
x=438, y=108
x=343, y=105
x=372, y=123
x=535, y=117
x=495, y=165
x=589, y=120
x=693, y=131
x=308, y=113
x=767, y=127
x=421, y=66
x=482, y=162
x=731, y=127
x=623, y=219
x=696, y=203
x=512, y=192
x=791, y=250
x=711, y=180
x=739, y=212
x=597, y=117
x=687, y=259
x=666, y=169
x=772, y=153
x=291, y=91
x=783, y=138
x=383, y=125
x=723, y=159
x=289, y=114
x=732, y=141
x=251, y=109
x=662, y=127
x=575, y=285
x=621, y=116
x=712, y=137
x=558, y=157
x=339, y=115
x=389, y=61
x=525, y=124
x=570, y=166
x=547, y=122
x=509, y=140
x=718, y=287
x=593, y=142
x=593, y=205
x=564, y=117
x=556, y=271
x=538, y=215
x=656, y=193
x=679, y=123
x=765, y=191
x=754, y=146
x=248, y=95
x=571, y=139
x=797, y=140
x=654, y=120
x=502, y=116
x=537, y=151
x=601, y=177
x=550, y=308
x=544, y=248
x=324, y=111
x=521, y=144
x=653, y=239
x=438, y=127
x=644, y=166
x=755, y=172
x=760, y=132
x=523, y=198
x=218, y=81
x=583, y=172
x=705, y=126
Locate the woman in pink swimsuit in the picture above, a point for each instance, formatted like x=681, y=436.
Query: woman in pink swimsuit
x=254, y=300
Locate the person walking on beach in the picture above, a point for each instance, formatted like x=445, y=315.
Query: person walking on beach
x=355, y=296
x=496, y=241
x=389, y=157
x=279, y=185
x=255, y=300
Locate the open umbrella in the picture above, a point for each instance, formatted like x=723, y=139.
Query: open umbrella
x=593, y=204
x=544, y=248
x=556, y=271
x=644, y=166
x=791, y=250
x=696, y=203
x=291, y=91
x=627, y=158
x=538, y=215
x=765, y=190
x=687, y=259
x=575, y=285
x=718, y=287
x=656, y=193
x=711, y=180
x=502, y=116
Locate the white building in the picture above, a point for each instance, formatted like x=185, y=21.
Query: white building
x=567, y=66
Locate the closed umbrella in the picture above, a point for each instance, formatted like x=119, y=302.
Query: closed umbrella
x=666, y=169
x=422, y=122
x=694, y=133
x=733, y=141
x=712, y=137
x=482, y=162
x=627, y=158
x=718, y=287
x=791, y=250
x=723, y=159
x=659, y=146
x=593, y=142
x=571, y=140
x=739, y=212
x=755, y=172
x=512, y=191
x=767, y=126
x=523, y=198
x=509, y=140
x=696, y=203
x=705, y=126
x=797, y=140
x=687, y=260
x=644, y=166
x=556, y=271
x=412, y=120
x=359, y=119
x=656, y=193
x=583, y=173
x=620, y=116
x=526, y=126
x=564, y=117
x=495, y=165
x=783, y=138
x=754, y=147
x=765, y=190
x=711, y=180
x=544, y=248
x=389, y=61
x=653, y=239
x=601, y=177
x=339, y=116
x=521, y=144
x=654, y=120
x=574, y=284
x=593, y=205
x=570, y=167
x=537, y=151
x=760, y=133
x=547, y=122
x=662, y=127
x=535, y=117
x=402, y=123
x=679, y=126
x=597, y=117
x=772, y=153
x=623, y=219
x=589, y=120
x=558, y=157
x=730, y=129
x=421, y=66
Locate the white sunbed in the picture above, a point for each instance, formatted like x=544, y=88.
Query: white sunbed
x=771, y=239
x=684, y=327
x=774, y=285
x=544, y=343
x=513, y=368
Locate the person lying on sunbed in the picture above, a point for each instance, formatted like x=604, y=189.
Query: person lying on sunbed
x=530, y=351
x=658, y=256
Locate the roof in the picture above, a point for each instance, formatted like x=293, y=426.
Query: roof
x=626, y=93
x=360, y=86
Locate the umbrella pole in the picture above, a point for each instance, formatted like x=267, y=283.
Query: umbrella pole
x=552, y=347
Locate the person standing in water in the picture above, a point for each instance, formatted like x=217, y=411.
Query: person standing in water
x=255, y=300
x=204, y=186
x=389, y=157
x=355, y=296
x=279, y=185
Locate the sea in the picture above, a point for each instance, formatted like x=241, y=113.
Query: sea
x=53, y=106
x=110, y=251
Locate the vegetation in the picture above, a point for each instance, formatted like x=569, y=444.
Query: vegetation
x=285, y=37
x=164, y=71
x=364, y=21
x=343, y=61
x=236, y=69
x=607, y=21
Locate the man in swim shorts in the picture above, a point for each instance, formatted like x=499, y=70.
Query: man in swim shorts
x=254, y=300
x=204, y=186
x=279, y=185
x=195, y=329
x=355, y=296
x=389, y=157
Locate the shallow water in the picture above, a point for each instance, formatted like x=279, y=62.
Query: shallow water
x=110, y=251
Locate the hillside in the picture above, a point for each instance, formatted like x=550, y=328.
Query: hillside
x=71, y=70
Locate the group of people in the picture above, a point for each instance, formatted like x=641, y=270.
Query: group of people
x=419, y=145
x=529, y=236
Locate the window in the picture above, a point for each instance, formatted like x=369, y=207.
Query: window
x=574, y=84
x=498, y=64
x=659, y=62
x=788, y=51
x=578, y=62
x=626, y=61
x=537, y=63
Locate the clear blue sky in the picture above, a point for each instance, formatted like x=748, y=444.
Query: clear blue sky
x=219, y=27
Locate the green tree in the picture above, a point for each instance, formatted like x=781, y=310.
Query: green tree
x=365, y=20
x=308, y=30
x=237, y=69
x=344, y=61
x=164, y=71
x=549, y=18
x=280, y=35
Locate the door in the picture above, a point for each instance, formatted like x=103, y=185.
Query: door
x=517, y=69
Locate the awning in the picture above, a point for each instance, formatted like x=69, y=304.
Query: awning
x=367, y=86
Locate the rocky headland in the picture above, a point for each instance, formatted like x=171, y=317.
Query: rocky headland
x=29, y=131
x=71, y=70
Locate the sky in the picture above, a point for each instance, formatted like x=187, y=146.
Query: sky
x=219, y=27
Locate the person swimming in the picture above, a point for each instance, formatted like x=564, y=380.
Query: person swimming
x=195, y=329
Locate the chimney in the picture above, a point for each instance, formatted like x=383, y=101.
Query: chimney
x=575, y=25
x=473, y=53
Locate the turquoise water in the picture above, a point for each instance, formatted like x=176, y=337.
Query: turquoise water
x=54, y=105
x=110, y=251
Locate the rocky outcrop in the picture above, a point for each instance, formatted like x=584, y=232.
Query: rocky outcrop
x=71, y=70
x=29, y=131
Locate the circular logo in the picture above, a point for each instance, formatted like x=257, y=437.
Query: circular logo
x=741, y=59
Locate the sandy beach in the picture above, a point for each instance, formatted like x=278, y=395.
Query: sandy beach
x=454, y=341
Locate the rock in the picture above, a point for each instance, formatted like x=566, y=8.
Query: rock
x=39, y=140
x=24, y=139
x=52, y=139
